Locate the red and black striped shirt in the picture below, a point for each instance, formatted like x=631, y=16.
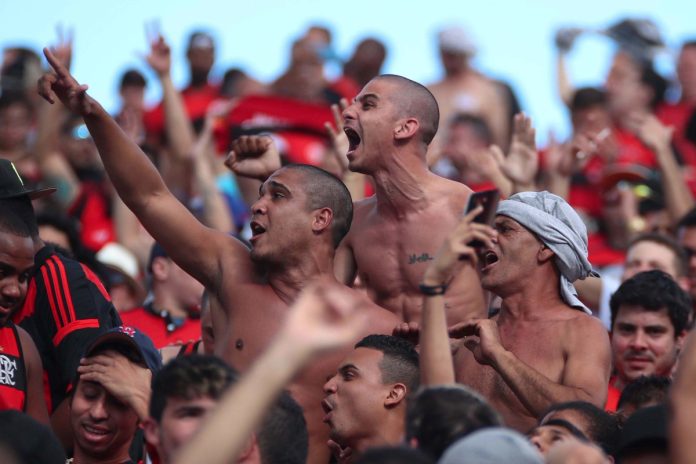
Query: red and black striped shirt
x=66, y=308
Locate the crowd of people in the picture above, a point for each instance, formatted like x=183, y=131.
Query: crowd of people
x=291, y=272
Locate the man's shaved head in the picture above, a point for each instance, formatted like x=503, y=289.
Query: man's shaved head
x=414, y=100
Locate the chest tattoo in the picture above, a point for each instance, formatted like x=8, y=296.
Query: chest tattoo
x=421, y=258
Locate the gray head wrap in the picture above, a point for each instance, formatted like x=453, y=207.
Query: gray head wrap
x=492, y=445
x=560, y=228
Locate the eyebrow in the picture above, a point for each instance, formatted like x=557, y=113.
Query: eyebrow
x=361, y=98
x=347, y=367
x=275, y=185
x=11, y=269
x=562, y=423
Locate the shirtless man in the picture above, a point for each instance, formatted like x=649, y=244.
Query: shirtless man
x=465, y=90
x=542, y=347
x=300, y=217
x=396, y=232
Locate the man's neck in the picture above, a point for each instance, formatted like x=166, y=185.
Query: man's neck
x=532, y=299
x=402, y=186
x=288, y=281
x=390, y=434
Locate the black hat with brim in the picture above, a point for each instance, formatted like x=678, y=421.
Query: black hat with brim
x=12, y=186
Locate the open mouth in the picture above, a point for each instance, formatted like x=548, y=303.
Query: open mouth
x=489, y=258
x=353, y=139
x=326, y=406
x=256, y=229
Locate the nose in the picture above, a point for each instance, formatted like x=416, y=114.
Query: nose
x=13, y=289
x=259, y=206
x=98, y=410
x=330, y=385
x=538, y=443
x=349, y=112
x=639, y=341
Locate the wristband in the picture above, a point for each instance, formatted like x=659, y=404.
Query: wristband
x=432, y=290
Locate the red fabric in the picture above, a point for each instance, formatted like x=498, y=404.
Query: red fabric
x=677, y=115
x=155, y=327
x=613, y=395
x=346, y=87
x=13, y=378
x=91, y=207
x=299, y=125
x=196, y=101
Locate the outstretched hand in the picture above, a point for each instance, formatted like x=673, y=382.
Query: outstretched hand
x=159, y=58
x=655, y=135
x=61, y=85
x=253, y=156
x=522, y=163
x=457, y=247
x=339, y=140
x=327, y=315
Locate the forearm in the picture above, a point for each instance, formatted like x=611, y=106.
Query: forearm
x=135, y=178
x=215, y=210
x=565, y=87
x=502, y=183
x=437, y=365
x=535, y=391
x=677, y=194
x=180, y=135
x=55, y=169
x=242, y=408
x=355, y=182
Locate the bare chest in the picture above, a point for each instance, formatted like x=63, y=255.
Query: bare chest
x=540, y=348
x=392, y=256
x=253, y=317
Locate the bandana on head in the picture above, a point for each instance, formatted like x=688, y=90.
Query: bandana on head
x=560, y=228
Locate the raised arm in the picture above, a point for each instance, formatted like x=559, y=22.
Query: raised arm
x=180, y=135
x=55, y=168
x=436, y=356
x=658, y=138
x=197, y=249
x=216, y=213
x=326, y=316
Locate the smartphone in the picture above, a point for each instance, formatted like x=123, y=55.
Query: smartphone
x=489, y=200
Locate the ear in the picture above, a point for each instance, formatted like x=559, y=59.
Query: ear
x=160, y=268
x=396, y=395
x=250, y=453
x=406, y=128
x=322, y=220
x=681, y=338
x=545, y=254
x=151, y=432
x=683, y=283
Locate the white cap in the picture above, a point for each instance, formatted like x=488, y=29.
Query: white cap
x=456, y=39
x=119, y=258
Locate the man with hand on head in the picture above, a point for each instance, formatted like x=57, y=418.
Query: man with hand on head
x=542, y=347
x=300, y=217
x=111, y=395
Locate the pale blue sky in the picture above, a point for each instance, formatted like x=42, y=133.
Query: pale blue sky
x=514, y=38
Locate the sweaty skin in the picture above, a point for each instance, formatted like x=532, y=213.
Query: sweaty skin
x=554, y=345
x=396, y=233
x=391, y=252
x=294, y=248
